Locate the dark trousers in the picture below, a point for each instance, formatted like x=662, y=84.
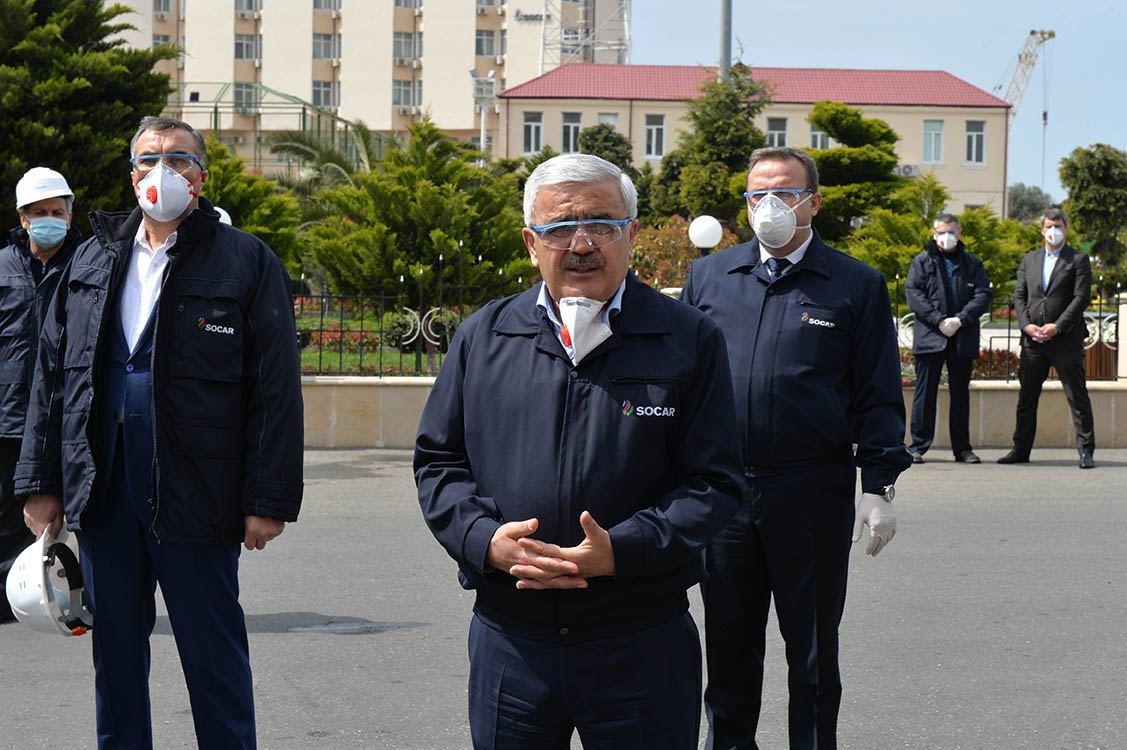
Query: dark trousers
x=122, y=563
x=1068, y=359
x=792, y=541
x=638, y=691
x=928, y=368
x=14, y=536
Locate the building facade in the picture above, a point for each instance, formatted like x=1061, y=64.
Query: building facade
x=248, y=68
x=947, y=126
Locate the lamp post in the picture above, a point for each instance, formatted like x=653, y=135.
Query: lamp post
x=484, y=95
x=705, y=232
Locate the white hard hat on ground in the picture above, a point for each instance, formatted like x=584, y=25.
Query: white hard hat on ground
x=45, y=587
x=40, y=183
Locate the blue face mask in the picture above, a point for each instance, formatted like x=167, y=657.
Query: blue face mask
x=47, y=231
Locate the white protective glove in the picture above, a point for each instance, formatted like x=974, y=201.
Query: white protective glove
x=876, y=513
x=949, y=326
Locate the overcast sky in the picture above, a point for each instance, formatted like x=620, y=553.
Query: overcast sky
x=1085, y=92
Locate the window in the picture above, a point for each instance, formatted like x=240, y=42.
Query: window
x=161, y=39
x=326, y=94
x=162, y=6
x=406, y=44
x=402, y=93
x=326, y=4
x=245, y=96
x=776, y=131
x=655, y=136
x=571, y=124
x=484, y=2
x=608, y=118
x=248, y=46
x=406, y=3
x=819, y=138
x=504, y=42
x=485, y=43
x=571, y=39
x=533, y=132
x=933, y=141
x=248, y=4
x=976, y=142
x=326, y=46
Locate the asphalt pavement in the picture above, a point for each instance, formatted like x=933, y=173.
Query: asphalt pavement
x=996, y=620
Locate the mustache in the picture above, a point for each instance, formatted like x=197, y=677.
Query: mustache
x=582, y=261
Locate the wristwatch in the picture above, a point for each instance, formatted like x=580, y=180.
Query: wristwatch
x=888, y=492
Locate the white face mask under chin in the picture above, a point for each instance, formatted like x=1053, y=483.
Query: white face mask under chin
x=774, y=222
x=583, y=320
x=164, y=194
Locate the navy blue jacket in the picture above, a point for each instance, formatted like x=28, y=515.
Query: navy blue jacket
x=815, y=364
x=641, y=434
x=226, y=397
x=927, y=299
x=25, y=295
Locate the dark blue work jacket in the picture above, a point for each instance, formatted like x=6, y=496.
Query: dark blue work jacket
x=25, y=294
x=970, y=288
x=815, y=363
x=225, y=401
x=641, y=433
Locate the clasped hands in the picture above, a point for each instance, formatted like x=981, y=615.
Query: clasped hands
x=950, y=326
x=539, y=565
x=1041, y=334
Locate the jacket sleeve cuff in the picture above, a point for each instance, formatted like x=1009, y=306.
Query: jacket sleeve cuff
x=475, y=548
x=876, y=478
x=277, y=500
x=629, y=549
x=35, y=478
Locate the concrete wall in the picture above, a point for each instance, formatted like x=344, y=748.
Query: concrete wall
x=352, y=412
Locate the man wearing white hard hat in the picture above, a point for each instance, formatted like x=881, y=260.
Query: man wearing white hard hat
x=30, y=267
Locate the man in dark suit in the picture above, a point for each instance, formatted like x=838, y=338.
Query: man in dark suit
x=1054, y=285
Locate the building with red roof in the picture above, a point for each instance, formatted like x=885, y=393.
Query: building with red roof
x=947, y=126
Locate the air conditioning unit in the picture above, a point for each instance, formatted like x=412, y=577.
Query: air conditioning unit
x=245, y=15
x=258, y=64
x=336, y=62
x=160, y=16
x=416, y=63
x=500, y=10
x=499, y=60
x=406, y=110
x=239, y=140
x=257, y=15
x=416, y=110
x=482, y=10
x=334, y=15
x=909, y=170
x=418, y=11
x=400, y=61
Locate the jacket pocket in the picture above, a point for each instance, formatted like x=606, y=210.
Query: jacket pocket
x=16, y=296
x=208, y=332
x=86, y=296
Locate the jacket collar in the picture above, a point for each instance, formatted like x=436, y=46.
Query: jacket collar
x=116, y=230
x=745, y=258
x=933, y=249
x=642, y=312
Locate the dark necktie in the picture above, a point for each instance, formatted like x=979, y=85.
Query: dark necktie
x=776, y=267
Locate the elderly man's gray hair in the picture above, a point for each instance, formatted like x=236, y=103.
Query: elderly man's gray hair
x=949, y=219
x=578, y=168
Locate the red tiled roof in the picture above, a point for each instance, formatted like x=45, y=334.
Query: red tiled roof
x=788, y=85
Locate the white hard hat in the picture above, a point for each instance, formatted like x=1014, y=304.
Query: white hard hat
x=45, y=587
x=224, y=217
x=40, y=183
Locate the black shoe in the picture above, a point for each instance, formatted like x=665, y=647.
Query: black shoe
x=1014, y=457
x=967, y=457
x=917, y=458
x=1086, y=461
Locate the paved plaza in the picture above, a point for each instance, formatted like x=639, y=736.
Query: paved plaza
x=996, y=620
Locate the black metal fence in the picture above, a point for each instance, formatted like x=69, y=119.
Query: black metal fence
x=385, y=335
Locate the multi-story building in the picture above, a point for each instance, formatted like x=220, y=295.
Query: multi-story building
x=248, y=68
x=947, y=126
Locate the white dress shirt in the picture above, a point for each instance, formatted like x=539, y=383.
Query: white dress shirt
x=544, y=300
x=142, y=285
x=795, y=256
x=1047, y=267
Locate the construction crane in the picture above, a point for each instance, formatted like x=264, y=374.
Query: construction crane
x=1026, y=62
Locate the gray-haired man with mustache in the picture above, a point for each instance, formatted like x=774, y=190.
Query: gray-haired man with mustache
x=577, y=452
